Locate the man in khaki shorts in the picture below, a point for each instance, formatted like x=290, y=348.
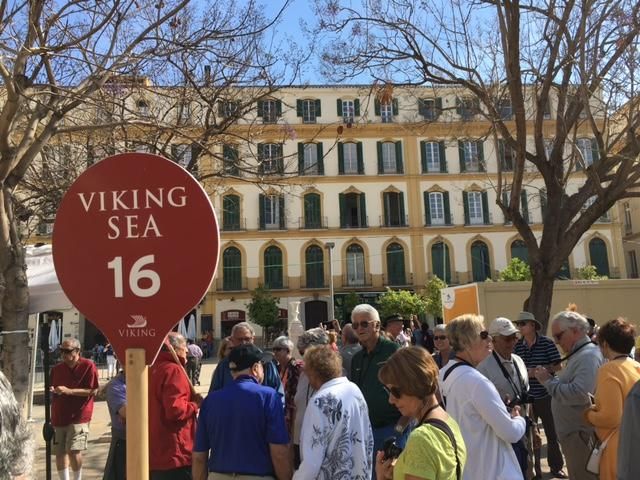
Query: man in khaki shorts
x=74, y=383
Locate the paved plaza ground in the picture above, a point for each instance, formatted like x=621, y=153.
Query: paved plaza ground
x=100, y=436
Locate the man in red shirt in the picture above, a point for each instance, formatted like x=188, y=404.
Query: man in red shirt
x=172, y=414
x=74, y=383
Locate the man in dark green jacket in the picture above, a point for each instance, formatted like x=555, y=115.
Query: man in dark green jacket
x=376, y=349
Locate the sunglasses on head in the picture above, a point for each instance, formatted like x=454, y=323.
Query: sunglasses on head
x=484, y=335
x=68, y=350
x=439, y=337
x=363, y=324
x=393, y=391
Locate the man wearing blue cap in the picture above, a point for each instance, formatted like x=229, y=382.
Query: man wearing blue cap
x=242, y=417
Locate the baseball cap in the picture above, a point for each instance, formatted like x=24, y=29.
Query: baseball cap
x=245, y=356
x=393, y=318
x=502, y=326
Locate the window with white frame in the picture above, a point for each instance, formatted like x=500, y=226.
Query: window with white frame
x=386, y=112
x=184, y=113
x=350, y=157
x=272, y=212
x=586, y=150
x=309, y=113
x=505, y=110
x=474, y=202
x=229, y=108
x=389, y=161
x=429, y=108
x=436, y=208
x=271, y=158
x=269, y=111
x=628, y=226
x=182, y=154
x=348, y=111
x=432, y=150
x=355, y=265
x=471, y=156
x=310, y=159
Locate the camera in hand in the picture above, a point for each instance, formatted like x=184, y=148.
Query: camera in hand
x=391, y=448
x=522, y=399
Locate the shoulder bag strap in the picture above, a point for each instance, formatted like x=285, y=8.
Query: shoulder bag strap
x=447, y=430
x=448, y=372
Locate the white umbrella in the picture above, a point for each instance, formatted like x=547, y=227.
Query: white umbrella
x=182, y=328
x=191, y=328
x=54, y=336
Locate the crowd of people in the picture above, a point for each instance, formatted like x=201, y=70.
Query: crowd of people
x=376, y=404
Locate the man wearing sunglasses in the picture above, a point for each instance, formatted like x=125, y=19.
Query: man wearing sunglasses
x=376, y=349
x=74, y=383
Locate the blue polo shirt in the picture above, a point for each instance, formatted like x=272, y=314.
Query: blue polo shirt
x=237, y=424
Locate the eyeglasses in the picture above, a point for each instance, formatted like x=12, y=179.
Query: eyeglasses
x=68, y=350
x=484, y=335
x=438, y=337
x=558, y=335
x=393, y=391
x=363, y=324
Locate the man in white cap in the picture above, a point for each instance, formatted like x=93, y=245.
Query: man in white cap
x=508, y=373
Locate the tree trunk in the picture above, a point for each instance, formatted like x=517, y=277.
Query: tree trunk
x=15, y=315
x=540, y=297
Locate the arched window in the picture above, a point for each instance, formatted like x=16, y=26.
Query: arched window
x=395, y=265
x=314, y=263
x=480, y=262
x=441, y=266
x=599, y=257
x=355, y=265
x=519, y=250
x=273, y=268
x=231, y=269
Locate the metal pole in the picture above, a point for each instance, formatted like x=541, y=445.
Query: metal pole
x=47, y=428
x=34, y=357
x=329, y=246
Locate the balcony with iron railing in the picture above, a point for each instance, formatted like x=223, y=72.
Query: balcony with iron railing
x=391, y=221
x=281, y=225
x=362, y=281
x=313, y=224
x=358, y=223
x=235, y=225
x=388, y=281
x=231, y=284
x=313, y=284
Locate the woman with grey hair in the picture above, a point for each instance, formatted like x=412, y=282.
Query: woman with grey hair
x=304, y=391
x=16, y=441
x=289, y=369
x=487, y=427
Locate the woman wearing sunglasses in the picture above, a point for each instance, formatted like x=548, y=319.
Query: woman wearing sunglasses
x=435, y=449
x=443, y=347
x=488, y=428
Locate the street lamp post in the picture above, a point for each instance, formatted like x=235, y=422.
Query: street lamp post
x=329, y=246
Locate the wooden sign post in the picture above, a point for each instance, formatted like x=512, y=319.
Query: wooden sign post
x=135, y=247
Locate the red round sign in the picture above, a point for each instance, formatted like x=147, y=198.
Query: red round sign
x=135, y=247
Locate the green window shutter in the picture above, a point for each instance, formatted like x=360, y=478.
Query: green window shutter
x=320, y=158
x=394, y=107
x=278, y=108
x=524, y=207
x=261, y=199
x=422, y=107
x=260, y=108
x=283, y=217
x=376, y=107
x=461, y=155
x=260, y=158
x=423, y=155
x=318, y=109
x=443, y=156
x=380, y=163
x=300, y=158
x=595, y=153
x=485, y=208
x=363, y=210
x=481, y=164
x=298, y=108
x=465, y=203
x=458, y=106
x=438, y=106
x=339, y=105
x=403, y=221
x=343, y=210
x=427, y=209
x=340, y=158
x=360, y=158
x=385, y=205
x=505, y=200
x=447, y=208
x=356, y=107
x=399, y=164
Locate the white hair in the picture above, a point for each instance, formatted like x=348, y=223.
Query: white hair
x=283, y=342
x=243, y=325
x=441, y=327
x=568, y=319
x=368, y=309
x=73, y=342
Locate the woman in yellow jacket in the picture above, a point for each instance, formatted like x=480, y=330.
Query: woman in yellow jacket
x=615, y=379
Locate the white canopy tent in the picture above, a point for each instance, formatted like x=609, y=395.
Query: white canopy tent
x=45, y=292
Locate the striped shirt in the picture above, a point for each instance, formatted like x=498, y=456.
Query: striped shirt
x=542, y=352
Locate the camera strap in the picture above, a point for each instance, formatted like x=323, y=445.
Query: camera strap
x=441, y=425
x=509, y=378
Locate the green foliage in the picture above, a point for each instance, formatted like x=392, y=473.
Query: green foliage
x=433, y=297
x=516, y=271
x=403, y=302
x=589, y=272
x=263, y=308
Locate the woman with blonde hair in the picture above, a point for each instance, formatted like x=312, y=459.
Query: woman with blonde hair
x=487, y=427
x=225, y=348
x=435, y=449
x=614, y=381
